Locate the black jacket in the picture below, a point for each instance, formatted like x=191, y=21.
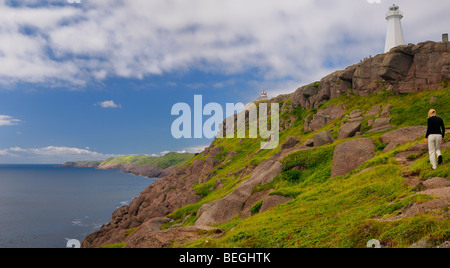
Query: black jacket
x=435, y=124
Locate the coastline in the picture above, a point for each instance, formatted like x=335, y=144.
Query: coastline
x=139, y=165
x=145, y=171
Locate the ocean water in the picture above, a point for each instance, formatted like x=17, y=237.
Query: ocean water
x=45, y=206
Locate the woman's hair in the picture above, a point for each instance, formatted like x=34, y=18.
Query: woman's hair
x=431, y=113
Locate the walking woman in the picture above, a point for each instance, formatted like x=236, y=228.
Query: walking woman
x=435, y=137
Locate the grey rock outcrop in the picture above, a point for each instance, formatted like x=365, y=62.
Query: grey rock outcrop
x=349, y=130
x=290, y=143
x=386, y=111
x=272, y=201
x=435, y=183
x=227, y=208
x=355, y=114
x=323, y=117
x=396, y=64
x=374, y=111
x=404, y=69
x=323, y=138
x=351, y=154
x=402, y=136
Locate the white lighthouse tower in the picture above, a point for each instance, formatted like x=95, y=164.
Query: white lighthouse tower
x=394, y=35
x=263, y=96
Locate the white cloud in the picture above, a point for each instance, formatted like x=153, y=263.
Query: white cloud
x=5, y=153
x=164, y=153
x=6, y=120
x=294, y=40
x=194, y=149
x=50, y=154
x=109, y=105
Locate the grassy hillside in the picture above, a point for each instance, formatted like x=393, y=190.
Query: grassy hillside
x=168, y=160
x=345, y=211
x=85, y=163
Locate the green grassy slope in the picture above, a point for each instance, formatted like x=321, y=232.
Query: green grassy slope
x=344, y=211
x=168, y=160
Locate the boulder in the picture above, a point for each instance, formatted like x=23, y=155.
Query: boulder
x=403, y=135
x=419, y=147
x=374, y=112
x=210, y=164
x=310, y=91
x=380, y=122
x=330, y=87
x=386, y=111
x=225, y=209
x=366, y=79
x=323, y=138
x=272, y=201
x=397, y=64
x=299, y=99
x=323, y=117
x=357, y=119
x=446, y=145
x=230, y=155
x=382, y=128
x=309, y=143
x=254, y=198
x=290, y=143
x=152, y=225
x=348, y=73
x=390, y=147
x=349, y=130
x=350, y=155
x=436, y=183
x=214, y=151
x=355, y=114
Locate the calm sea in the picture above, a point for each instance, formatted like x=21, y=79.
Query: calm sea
x=44, y=206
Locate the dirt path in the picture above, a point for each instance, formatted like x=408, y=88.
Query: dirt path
x=437, y=188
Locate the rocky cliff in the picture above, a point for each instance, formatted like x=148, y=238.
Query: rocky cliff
x=404, y=69
x=82, y=164
x=158, y=200
x=140, y=165
x=147, y=171
x=221, y=184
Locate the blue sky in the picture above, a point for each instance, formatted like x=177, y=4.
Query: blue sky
x=98, y=79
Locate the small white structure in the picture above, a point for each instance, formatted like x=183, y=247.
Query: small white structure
x=394, y=35
x=263, y=96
